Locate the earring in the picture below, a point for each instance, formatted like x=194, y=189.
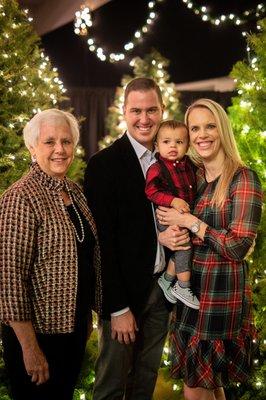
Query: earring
x=33, y=159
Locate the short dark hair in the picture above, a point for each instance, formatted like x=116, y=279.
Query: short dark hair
x=143, y=85
x=171, y=124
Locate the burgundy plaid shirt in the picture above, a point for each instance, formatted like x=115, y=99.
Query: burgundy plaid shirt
x=182, y=173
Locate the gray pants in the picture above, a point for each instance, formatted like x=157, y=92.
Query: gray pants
x=129, y=372
x=181, y=258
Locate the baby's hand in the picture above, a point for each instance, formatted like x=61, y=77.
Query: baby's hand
x=180, y=205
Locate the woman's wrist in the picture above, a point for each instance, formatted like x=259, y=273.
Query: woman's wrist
x=190, y=221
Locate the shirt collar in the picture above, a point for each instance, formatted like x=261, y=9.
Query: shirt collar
x=140, y=150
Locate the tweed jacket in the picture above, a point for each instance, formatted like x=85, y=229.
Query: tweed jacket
x=38, y=253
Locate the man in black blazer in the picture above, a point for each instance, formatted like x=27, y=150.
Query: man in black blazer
x=134, y=321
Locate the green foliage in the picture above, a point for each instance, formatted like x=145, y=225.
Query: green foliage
x=154, y=66
x=87, y=376
x=28, y=83
x=247, y=113
x=248, y=118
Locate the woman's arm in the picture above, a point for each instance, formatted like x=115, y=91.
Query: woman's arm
x=17, y=243
x=234, y=241
x=17, y=248
x=34, y=360
x=170, y=216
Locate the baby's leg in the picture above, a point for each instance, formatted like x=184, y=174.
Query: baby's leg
x=181, y=289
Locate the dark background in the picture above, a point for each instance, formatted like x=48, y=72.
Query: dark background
x=197, y=50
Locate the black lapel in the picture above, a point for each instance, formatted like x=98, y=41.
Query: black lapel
x=130, y=161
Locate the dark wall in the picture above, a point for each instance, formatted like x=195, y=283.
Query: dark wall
x=196, y=50
x=92, y=105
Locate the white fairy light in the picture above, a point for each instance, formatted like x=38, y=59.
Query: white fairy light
x=232, y=18
x=83, y=21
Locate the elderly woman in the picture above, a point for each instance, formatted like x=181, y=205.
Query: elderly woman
x=49, y=259
x=212, y=346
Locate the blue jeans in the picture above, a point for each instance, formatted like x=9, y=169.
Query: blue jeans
x=129, y=372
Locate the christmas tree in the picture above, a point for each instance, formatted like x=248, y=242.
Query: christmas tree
x=153, y=65
x=248, y=119
x=28, y=84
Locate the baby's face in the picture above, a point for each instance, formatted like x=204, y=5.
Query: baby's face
x=172, y=144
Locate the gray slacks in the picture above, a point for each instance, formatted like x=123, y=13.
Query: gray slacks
x=129, y=372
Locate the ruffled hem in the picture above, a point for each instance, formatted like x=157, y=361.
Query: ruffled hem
x=212, y=363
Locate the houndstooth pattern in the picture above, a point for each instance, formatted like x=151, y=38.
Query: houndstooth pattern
x=38, y=254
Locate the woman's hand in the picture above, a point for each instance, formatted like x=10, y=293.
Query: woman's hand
x=36, y=364
x=35, y=361
x=170, y=216
x=174, y=238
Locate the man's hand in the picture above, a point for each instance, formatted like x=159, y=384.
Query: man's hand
x=124, y=327
x=174, y=237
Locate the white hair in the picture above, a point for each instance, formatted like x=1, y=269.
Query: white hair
x=52, y=116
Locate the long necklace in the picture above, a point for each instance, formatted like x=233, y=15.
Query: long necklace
x=80, y=239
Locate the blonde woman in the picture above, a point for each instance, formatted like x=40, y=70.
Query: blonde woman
x=212, y=346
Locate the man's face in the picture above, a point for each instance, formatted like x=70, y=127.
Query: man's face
x=143, y=113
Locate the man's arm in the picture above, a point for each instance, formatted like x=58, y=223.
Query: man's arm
x=101, y=192
x=174, y=238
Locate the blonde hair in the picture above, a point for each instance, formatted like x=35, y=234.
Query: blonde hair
x=52, y=116
x=232, y=157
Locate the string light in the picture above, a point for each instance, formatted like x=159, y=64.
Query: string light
x=203, y=12
x=83, y=22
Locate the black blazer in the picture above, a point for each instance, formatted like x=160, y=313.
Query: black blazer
x=114, y=186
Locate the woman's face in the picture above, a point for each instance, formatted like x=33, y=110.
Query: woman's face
x=54, y=151
x=204, y=135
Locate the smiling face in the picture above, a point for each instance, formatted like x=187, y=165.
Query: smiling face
x=204, y=134
x=172, y=144
x=54, y=150
x=143, y=113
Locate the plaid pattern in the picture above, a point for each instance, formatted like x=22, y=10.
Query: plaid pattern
x=213, y=345
x=38, y=254
x=183, y=177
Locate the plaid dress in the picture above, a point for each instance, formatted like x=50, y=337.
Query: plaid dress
x=212, y=345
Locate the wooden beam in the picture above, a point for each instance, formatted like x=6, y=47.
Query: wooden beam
x=49, y=15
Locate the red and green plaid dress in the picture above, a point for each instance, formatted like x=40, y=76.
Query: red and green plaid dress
x=212, y=345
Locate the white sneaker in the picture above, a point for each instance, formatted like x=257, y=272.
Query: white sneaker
x=185, y=295
x=166, y=288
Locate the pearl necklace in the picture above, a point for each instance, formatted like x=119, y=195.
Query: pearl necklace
x=80, y=239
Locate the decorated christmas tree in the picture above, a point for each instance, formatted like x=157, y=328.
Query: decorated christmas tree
x=28, y=84
x=153, y=65
x=248, y=118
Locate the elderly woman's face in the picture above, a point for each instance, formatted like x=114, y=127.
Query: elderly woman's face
x=54, y=150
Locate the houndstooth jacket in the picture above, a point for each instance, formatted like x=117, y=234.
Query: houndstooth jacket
x=38, y=254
